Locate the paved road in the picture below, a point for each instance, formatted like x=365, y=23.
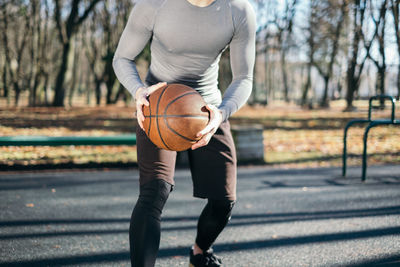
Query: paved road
x=293, y=217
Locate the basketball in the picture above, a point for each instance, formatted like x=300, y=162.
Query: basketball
x=175, y=115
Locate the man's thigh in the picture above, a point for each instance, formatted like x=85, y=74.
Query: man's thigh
x=213, y=166
x=154, y=163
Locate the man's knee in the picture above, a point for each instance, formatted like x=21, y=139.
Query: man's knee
x=154, y=194
x=222, y=208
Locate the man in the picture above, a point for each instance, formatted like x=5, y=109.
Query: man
x=187, y=39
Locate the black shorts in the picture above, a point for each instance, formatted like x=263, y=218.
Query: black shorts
x=213, y=167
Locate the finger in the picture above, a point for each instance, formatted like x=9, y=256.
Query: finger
x=144, y=101
x=212, y=109
x=205, y=140
x=197, y=145
x=202, y=142
x=142, y=98
x=140, y=119
x=155, y=87
x=210, y=127
x=206, y=130
x=141, y=124
x=139, y=110
x=140, y=116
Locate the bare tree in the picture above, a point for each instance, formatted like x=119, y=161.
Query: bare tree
x=354, y=67
x=396, y=18
x=39, y=47
x=14, y=49
x=311, y=46
x=262, y=38
x=75, y=55
x=330, y=16
x=108, y=19
x=379, y=35
x=284, y=26
x=4, y=79
x=3, y=59
x=93, y=54
x=66, y=29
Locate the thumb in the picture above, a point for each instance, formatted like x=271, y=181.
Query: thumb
x=155, y=87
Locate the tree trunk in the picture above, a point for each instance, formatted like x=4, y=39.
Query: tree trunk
x=17, y=90
x=324, y=102
x=45, y=87
x=88, y=89
x=307, y=85
x=266, y=83
x=380, y=84
x=98, y=91
x=75, y=67
x=284, y=75
x=311, y=47
x=352, y=76
x=398, y=82
x=380, y=81
x=33, y=65
x=109, y=77
x=396, y=19
x=5, y=85
x=34, y=91
x=352, y=86
x=380, y=26
x=38, y=51
x=59, y=94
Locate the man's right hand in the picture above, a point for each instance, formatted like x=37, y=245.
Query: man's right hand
x=141, y=100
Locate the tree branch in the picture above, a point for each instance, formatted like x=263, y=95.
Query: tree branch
x=60, y=27
x=87, y=12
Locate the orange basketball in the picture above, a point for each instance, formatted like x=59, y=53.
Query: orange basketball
x=175, y=115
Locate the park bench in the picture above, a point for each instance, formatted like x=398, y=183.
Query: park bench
x=248, y=139
x=127, y=139
x=27, y=140
x=371, y=123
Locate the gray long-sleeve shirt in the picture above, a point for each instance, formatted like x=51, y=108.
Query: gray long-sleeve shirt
x=187, y=43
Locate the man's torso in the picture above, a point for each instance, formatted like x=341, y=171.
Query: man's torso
x=187, y=44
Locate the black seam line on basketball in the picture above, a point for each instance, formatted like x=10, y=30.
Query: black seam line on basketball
x=176, y=116
x=158, y=125
x=178, y=134
x=165, y=115
x=173, y=101
x=148, y=132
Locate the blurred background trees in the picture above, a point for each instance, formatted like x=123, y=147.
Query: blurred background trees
x=59, y=52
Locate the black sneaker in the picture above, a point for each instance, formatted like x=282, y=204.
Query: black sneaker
x=207, y=259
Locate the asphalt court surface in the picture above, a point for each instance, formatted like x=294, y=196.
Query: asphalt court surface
x=283, y=217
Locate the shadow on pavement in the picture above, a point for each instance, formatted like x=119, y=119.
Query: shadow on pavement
x=237, y=220
x=49, y=182
x=390, y=261
x=228, y=247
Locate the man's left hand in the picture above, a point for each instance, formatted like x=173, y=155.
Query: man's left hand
x=210, y=129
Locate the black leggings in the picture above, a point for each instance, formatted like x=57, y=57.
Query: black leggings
x=212, y=221
x=144, y=230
